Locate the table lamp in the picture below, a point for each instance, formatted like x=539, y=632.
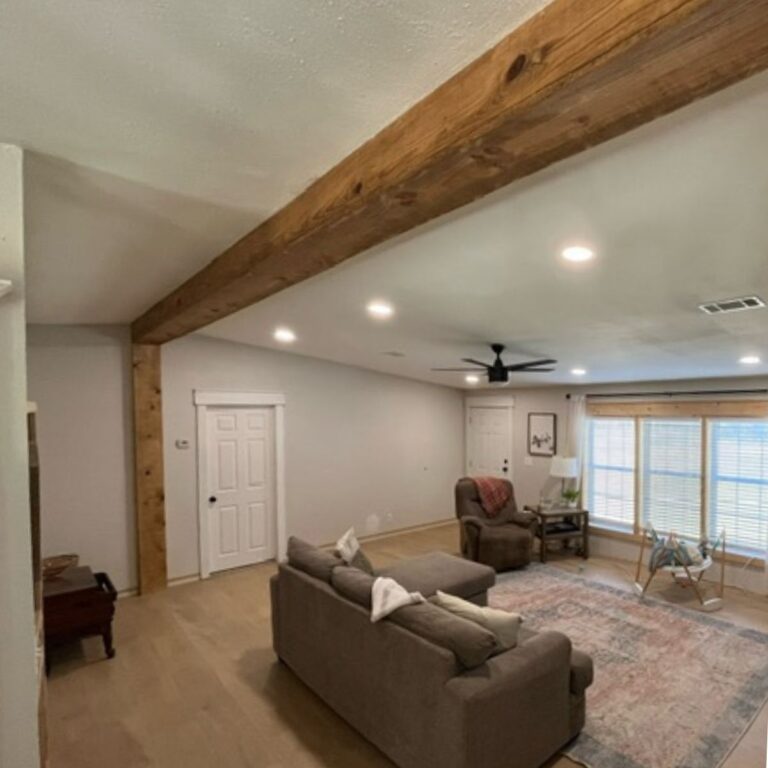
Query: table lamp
x=564, y=467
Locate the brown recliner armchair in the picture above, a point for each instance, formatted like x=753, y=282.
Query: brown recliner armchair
x=504, y=541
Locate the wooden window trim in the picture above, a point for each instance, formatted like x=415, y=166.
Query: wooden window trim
x=703, y=410
x=753, y=409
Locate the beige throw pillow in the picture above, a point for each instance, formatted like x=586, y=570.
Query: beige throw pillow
x=504, y=625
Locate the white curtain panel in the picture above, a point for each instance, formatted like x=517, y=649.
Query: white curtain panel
x=576, y=428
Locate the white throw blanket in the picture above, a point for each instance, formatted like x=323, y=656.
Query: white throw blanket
x=387, y=596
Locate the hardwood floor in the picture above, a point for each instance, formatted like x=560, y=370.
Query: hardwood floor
x=195, y=683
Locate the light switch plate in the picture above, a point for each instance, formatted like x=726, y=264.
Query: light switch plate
x=6, y=286
x=528, y=461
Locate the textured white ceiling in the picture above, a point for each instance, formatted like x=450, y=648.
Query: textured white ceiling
x=676, y=212
x=162, y=131
x=241, y=102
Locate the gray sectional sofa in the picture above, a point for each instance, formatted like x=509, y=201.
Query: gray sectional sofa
x=425, y=686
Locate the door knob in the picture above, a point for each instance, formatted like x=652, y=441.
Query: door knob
x=212, y=499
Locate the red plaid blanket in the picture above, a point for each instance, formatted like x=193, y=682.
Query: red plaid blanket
x=493, y=492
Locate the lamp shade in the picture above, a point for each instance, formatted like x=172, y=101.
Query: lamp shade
x=564, y=466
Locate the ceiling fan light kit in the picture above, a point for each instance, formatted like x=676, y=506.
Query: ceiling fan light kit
x=497, y=371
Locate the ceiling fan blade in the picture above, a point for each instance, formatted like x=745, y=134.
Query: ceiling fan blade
x=534, y=370
x=529, y=364
x=475, y=362
x=478, y=370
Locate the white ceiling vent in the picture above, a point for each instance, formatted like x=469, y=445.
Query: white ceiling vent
x=732, y=305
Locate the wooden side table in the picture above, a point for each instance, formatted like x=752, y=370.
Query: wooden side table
x=561, y=524
x=78, y=604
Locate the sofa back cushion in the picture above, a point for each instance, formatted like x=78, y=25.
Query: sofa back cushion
x=470, y=643
x=308, y=558
x=504, y=624
x=354, y=584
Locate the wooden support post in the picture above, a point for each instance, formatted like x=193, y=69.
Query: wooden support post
x=150, y=484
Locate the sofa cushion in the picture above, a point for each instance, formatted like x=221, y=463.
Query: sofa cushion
x=582, y=672
x=470, y=643
x=362, y=563
x=504, y=625
x=438, y=570
x=354, y=584
x=308, y=558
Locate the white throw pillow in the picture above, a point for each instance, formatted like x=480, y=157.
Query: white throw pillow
x=387, y=596
x=348, y=546
x=503, y=624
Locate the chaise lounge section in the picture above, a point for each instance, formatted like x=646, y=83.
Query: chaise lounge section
x=400, y=683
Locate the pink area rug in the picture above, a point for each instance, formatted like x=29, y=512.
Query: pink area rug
x=673, y=688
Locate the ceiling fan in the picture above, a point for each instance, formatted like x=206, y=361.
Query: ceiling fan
x=498, y=373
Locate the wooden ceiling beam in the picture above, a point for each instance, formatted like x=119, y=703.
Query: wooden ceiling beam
x=576, y=74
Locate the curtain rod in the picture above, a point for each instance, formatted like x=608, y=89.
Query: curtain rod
x=689, y=393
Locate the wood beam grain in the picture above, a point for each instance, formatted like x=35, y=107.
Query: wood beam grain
x=575, y=75
x=149, y=478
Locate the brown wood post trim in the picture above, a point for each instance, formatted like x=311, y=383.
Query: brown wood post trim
x=149, y=473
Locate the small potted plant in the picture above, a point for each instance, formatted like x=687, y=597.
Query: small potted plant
x=571, y=497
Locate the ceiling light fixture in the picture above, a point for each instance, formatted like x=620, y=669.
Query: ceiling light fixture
x=472, y=379
x=579, y=371
x=577, y=253
x=750, y=360
x=380, y=310
x=284, y=335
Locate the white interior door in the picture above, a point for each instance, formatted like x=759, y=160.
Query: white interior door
x=489, y=441
x=241, y=486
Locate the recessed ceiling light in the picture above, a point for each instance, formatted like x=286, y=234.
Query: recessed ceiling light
x=579, y=371
x=471, y=378
x=577, y=253
x=284, y=335
x=380, y=309
x=750, y=360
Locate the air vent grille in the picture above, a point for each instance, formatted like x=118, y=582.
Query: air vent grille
x=732, y=305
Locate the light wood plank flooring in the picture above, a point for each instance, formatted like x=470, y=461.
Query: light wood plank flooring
x=195, y=683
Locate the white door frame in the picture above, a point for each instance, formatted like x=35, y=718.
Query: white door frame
x=206, y=399
x=491, y=401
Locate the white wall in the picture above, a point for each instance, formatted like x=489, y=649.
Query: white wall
x=79, y=376
x=18, y=685
x=358, y=443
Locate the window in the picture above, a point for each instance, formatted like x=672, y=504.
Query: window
x=698, y=472
x=738, y=482
x=610, y=472
x=671, y=475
